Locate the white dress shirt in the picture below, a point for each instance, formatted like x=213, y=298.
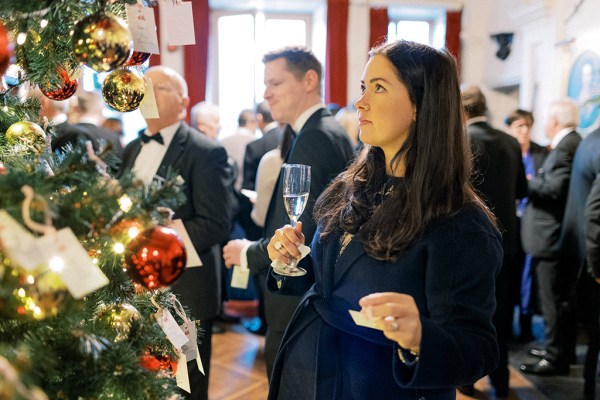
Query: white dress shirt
x=152, y=153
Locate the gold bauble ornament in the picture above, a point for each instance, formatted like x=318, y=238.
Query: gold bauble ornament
x=26, y=133
x=102, y=42
x=121, y=320
x=31, y=294
x=123, y=90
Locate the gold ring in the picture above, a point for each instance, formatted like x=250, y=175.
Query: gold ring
x=277, y=245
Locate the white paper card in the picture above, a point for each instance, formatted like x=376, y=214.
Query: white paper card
x=18, y=244
x=193, y=259
x=181, y=376
x=143, y=28
x=361, y=320
x=179, y=23
x=240, y=277
x=148, y=106
x=67, y=257
x=170, y=328
x=190, y=349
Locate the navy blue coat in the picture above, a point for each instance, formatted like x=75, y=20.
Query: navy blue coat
x=449, y=271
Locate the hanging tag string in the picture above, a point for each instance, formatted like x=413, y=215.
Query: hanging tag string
x=45, y=229
x=101, y=166
x=178, y=308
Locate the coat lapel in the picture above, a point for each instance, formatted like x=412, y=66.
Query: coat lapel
x=173, y=157
x=353, y=252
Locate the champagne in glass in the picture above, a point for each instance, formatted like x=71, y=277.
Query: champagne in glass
x=296, y=185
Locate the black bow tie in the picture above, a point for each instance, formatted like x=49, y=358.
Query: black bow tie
x=157, y=136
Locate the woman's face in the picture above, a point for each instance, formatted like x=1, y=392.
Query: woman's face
x=520, y=129
x=385, y=111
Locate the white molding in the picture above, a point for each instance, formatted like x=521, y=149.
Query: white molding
x=528, y=11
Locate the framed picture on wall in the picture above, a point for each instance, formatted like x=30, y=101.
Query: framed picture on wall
x=584, y=87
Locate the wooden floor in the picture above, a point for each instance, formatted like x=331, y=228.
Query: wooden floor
x=238, y=371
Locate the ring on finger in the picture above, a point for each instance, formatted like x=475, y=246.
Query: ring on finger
x=394, y=325
x=277, y=245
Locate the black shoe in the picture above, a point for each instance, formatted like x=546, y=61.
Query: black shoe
x=217, y=329
x=539, y=353
x=228, y=319
x=501, y=392
x=467, y=390
x=545, y=367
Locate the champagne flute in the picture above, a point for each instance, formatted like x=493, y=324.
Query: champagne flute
x=296, y=185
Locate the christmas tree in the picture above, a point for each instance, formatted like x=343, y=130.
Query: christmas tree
x=73, y=325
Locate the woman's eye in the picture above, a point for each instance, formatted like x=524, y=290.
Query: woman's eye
x=379, y=88
x=362, y=88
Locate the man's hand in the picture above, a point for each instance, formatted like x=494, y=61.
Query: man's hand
x=232, y=251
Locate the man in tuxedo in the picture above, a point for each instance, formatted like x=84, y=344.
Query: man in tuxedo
x=272, y=134
x=168, y=142
x=581, y=244
x=293, y=91
x=540, y=234
x=499, y=178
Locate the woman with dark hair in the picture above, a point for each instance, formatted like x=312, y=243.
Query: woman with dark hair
x=403, y=237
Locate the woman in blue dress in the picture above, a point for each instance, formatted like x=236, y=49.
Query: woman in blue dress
x=403, y=238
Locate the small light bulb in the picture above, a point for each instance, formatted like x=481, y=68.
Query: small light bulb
x=44, y=23
x=119, y=248
x=125, y=203
x=21, y=37
x=21, y=292
x=57, y=264
x=133, y=232
x=30, y=279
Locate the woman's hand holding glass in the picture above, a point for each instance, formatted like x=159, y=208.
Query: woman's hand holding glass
x=284, y=244
x=398, y=316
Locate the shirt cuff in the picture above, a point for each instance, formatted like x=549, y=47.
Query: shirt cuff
x=244, y=257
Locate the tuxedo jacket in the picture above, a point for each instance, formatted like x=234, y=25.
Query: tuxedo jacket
x=68, y=134
x=323, y=144
x=206, y=214
x=499, y=177
x=581, y=224
x=542, y=220
x=255, y=150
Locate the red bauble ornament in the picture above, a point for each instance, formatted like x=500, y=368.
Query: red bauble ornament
x=155, y=258
x=137, y=58
x=4, y=49
x=3, y=170
x=63, y=91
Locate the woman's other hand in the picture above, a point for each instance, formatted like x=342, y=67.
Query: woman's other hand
x=284, y=243
x=398, y=315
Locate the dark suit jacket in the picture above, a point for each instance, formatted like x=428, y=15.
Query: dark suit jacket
x=499, y=177
x=102, y=137
x=539, y=154
x=206, y=214
x=68, y=134
x=254, y=152
x=323, y=144
x=449, y=271
x=541, y=223
x=581, y=224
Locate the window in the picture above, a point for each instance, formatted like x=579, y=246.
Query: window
x=236, y=79
x=419, y=24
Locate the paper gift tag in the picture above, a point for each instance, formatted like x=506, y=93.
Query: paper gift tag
x=190, y=349
x=67, y=257
x=181, y=376
x=179, y=22
x=148, y=106
x=193, y=259
x=143, y=28
x=170, y=328
x=240, y=277
x=18, y=244
x=361, y=320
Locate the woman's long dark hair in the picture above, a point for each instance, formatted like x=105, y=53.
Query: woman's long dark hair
x=436, y=155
